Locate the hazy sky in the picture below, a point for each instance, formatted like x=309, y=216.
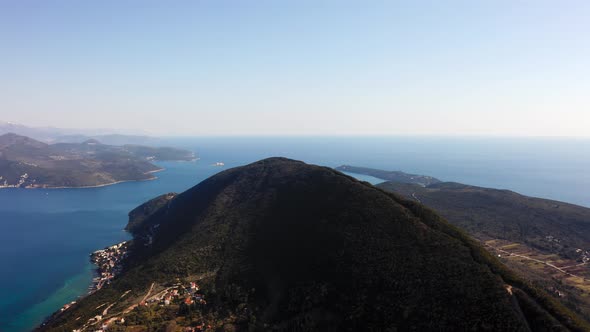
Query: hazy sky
x=299, y=67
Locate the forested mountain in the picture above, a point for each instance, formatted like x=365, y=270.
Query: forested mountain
x=282, y=245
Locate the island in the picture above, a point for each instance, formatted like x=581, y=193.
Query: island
x=28, y=163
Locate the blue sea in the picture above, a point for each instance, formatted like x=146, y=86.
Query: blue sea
x=47, y=235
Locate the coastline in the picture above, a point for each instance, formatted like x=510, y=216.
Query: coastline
x=155, y=171
x=72, y=290
x=100, y=185
x=108, y=262
x=105, y=264
x=94, y=186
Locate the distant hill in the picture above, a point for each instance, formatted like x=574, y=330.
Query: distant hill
x=110, y=139
x=44, y=134
x=25, y=162
x=285, y=246
x=72, y=135
x=396, y=176
x=11, y=140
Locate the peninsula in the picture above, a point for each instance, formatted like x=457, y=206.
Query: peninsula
x=28, y=163
x=396, y=176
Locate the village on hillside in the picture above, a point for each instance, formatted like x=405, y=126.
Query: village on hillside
x=183, y=298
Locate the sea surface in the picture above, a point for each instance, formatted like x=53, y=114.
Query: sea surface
x=47, y=235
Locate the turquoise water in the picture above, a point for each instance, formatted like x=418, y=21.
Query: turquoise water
x=48, y=234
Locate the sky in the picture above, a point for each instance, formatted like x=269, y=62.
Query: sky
x=498, y=68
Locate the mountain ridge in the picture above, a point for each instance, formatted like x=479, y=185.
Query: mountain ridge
x=72, y=135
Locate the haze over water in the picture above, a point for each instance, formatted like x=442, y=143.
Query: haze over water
x=48, y=234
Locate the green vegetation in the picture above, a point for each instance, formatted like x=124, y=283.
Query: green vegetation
x=25, y=162
x=554, y=232
x=535, y=303
x=491, y=213
x=281, y=245
x=138, y=215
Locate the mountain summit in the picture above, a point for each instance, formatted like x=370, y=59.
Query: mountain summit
x=282, y=245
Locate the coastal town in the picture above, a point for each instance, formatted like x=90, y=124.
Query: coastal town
x=21, y=180
x=108, y=262
x=180, y=297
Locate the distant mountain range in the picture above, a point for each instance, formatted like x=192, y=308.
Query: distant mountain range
x=28, y=163
x=280, y=245
x=69, y=135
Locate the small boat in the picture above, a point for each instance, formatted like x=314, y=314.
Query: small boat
x=219, y=164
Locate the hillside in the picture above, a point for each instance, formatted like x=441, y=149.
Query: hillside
x=486, y=212
x=508, y=223
x=27, y=163
x=281, y=245
x=141, y=213
x=397, y=176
